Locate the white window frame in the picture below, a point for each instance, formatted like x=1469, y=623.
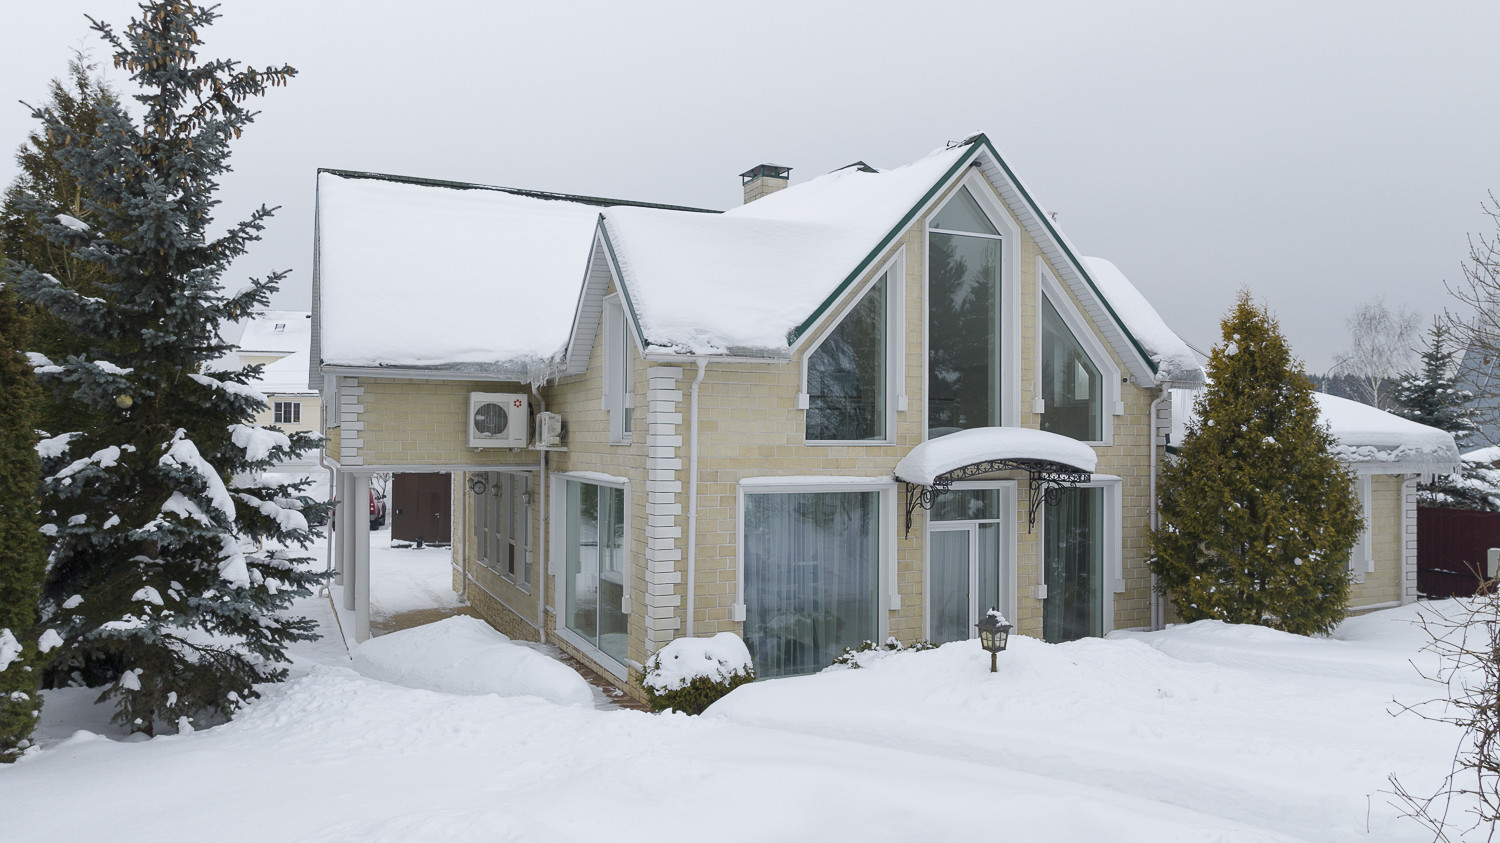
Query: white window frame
x=1048, y=286
x=1009, y=497
x=894, y=272
x=558, y=562
x=616, y=390
x=279, y=415
x=1010, y=270
x=1113, y=562
x=887, y=588
x=1362, y=555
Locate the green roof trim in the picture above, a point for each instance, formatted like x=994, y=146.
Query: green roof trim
x=1063, y=244
x=515, y=191
x=979, y=141
x=885, y=242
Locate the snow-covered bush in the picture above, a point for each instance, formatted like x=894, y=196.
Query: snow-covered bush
x=690, y=674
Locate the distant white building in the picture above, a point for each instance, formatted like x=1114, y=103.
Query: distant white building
x=279, y=340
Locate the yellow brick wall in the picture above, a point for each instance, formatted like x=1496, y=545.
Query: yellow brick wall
x=1383, y=585
x=413, y=422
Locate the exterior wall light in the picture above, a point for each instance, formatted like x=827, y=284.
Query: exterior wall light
x=994, y=634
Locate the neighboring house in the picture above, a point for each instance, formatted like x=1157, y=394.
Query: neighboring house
x=875, y=404
x=1479, y=373
x=1389, y=455
x=279, y=341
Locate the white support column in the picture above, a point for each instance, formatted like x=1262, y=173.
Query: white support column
x=348, y=508
x=361, y=535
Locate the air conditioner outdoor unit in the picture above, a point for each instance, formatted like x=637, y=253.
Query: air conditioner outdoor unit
x=498, y=419
x=550, y=430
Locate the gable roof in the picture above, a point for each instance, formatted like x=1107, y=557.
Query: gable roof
x=422, y=274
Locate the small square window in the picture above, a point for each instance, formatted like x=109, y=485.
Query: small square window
x=286, y=412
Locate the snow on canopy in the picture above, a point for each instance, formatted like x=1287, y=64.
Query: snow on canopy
x=1175, y=361
x=935, y=457
x=1366, y=435
x=742, y=281
x=426, y=275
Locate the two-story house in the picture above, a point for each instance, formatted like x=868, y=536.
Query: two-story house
x=874, y=404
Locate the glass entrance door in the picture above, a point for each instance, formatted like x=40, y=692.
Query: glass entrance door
x=966, y=562
x=950, y=575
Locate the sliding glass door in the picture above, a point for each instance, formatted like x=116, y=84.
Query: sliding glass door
x=594, y=583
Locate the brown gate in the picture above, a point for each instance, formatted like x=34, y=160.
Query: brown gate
x=1453, y=549
x=420, y=508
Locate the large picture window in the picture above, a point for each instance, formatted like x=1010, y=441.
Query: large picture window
x=846, y=373
x=963, y=318
x=811, y=577
x=595, y=589
x=1072, y=389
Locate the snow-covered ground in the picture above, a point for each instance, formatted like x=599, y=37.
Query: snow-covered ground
x=1199, y=733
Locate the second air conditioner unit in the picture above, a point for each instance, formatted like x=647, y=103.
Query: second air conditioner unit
x=498, y=419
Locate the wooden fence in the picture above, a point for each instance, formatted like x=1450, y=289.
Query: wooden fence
x=1453, y=550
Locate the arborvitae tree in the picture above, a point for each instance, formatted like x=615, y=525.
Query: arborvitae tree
x=152, y=588
x=22, y=563
x=1257, y=516
x=1431, y=396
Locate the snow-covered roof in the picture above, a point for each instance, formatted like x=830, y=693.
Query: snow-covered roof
x=287, y=376
x=1370, y=435
x=423, y=275
x=1367, y=436
x=414, y=274
x=741, y=282
x=1175, y=361
x=935, y=457
x=277, y=332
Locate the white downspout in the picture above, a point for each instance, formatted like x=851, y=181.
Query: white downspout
x=543, y=528
x=329, y=389
x=692, y=525
x=1158, y=609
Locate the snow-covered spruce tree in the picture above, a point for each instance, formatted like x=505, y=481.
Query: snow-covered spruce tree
x=1257, y=516
x=1431, y=397
x=150, y=587
x=22, y=562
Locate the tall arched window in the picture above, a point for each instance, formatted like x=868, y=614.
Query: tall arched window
x=963, y=317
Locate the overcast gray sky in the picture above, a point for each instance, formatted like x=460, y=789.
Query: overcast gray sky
x=1320, y=154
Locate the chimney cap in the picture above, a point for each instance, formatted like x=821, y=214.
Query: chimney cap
x=775, y=171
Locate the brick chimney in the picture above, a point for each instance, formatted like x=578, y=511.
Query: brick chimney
x=764, y=180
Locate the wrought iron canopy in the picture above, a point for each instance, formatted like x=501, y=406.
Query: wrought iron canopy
x=1044, y=479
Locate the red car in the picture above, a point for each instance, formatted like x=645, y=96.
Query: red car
x=377, y=511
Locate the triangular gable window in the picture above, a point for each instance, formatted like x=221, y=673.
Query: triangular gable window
x=846, y=374
x=962, y=213
x=1071, y=385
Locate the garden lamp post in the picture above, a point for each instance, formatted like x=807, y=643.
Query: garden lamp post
x=994, y=633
